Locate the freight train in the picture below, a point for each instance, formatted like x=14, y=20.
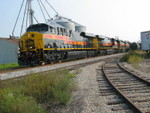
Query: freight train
x=61, y=39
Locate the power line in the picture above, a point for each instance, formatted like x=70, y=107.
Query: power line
x=35, y=19
x=41, y=10
x=52, y=7
x=45, y=9
x=17, y=18
x=23, y=18
x=27, y=16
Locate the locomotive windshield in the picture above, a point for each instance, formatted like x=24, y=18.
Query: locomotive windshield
x=38, y=27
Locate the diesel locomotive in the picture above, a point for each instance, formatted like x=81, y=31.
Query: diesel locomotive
x=61, y=39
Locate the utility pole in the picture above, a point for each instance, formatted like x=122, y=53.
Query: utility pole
x=31, y=12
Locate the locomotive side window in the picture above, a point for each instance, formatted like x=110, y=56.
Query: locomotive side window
x=61, y=30
x=67, y=32
x=70, y=33
x=52, y=30
x=64, y=31
x=57, y=30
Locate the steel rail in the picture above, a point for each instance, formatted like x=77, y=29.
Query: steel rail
x=132, y=106
x=139, y=78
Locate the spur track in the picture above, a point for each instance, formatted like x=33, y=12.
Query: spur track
x=133, y=90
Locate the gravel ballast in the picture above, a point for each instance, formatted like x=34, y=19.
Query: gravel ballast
x=86, y=99
x=143, y=68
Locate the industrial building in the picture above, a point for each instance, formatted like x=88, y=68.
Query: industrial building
x=8, y=50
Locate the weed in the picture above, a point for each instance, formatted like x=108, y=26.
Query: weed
x=133, y=54
x=49, y=87
x=12, y=102
x=135, y=59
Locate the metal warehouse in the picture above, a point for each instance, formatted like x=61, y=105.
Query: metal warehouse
x=8, y=50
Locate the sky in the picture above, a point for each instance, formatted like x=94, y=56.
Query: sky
x=123, y=19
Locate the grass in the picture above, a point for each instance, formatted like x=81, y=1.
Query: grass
x=11, y=102
x=8, y=66
x=29, y=95
x=134, y=57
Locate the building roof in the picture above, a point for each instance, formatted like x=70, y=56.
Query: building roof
x=10, y=40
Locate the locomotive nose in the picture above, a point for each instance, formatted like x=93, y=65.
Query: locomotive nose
x=30, y=44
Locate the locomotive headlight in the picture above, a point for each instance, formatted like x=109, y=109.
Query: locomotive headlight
x=29, y=35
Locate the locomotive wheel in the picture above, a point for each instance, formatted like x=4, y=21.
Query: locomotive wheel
x=32, y=63
x=60, y=61
x=89, y=54
x=43, y=63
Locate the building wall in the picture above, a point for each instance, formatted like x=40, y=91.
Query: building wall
x=8, y=52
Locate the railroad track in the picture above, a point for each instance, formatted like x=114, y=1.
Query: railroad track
x=133, y=90
x=71, y=64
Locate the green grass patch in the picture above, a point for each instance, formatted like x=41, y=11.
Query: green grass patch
x=134, y=54
x=35, y=91
x=8, y=66
x=134, y=57
x=135, y=60
x=12, y=102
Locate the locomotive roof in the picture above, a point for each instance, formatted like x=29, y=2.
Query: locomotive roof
x=52, y=24
x=88, y=35
x=59, y=18
x=101, y=36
